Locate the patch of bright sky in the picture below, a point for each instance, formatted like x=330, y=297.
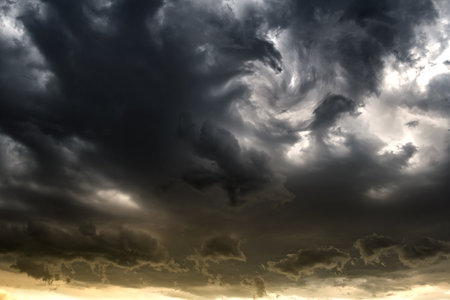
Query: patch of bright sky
x=116, y=198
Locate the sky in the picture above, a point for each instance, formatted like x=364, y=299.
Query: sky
x=224, y=149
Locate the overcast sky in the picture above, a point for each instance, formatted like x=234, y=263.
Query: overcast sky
x=218, y=149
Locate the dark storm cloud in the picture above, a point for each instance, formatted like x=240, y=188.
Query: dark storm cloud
x=373, y=246
x=119, y=89
x=36, y=242
x=387, y=27
x=158, y=105
x=411, y=253
x=355, y=37
x=238, y=170
x=423, y=251
x=34, y=269
x=330, y=109
x=221, y=248
x=307, y=261
x=217, y=250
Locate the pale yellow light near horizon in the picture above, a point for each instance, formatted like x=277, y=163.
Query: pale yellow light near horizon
x=426, y=292
x=18, y=286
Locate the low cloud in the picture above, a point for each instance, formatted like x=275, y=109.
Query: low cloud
x=307, y=261
x=373, y=246
x=34, y=269
x=216, y=250
x=258, y=284
x=38, y=246
x=411, y=253
x=221, y=248
x=423, y=251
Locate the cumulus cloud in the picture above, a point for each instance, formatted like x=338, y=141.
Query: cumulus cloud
x=307, y=261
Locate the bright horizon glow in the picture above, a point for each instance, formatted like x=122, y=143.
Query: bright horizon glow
x=12, y=289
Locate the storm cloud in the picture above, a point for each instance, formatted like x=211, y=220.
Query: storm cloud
x=217, y=147
x=306, y=261
x=411, y=253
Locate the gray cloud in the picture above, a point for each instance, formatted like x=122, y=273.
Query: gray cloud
x=436, y=98
x=401, y=158
x=238, y=170
x=34, y=269
x=258, y=284
x=217, y=249
x=330, y=109
x=423, y=251
x=154, y=116
x=411, y=253
x=38, y=242
x=221, y=248
x=373, y=246
x=412, y=124
x=351, y=38
x=307, y=261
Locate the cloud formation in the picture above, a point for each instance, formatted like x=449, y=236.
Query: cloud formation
x=306, y=261
x=43, y=251
x=220, y=248
x=135, y=135
x=373, y=246
x=412, y=253
x=258, y=284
